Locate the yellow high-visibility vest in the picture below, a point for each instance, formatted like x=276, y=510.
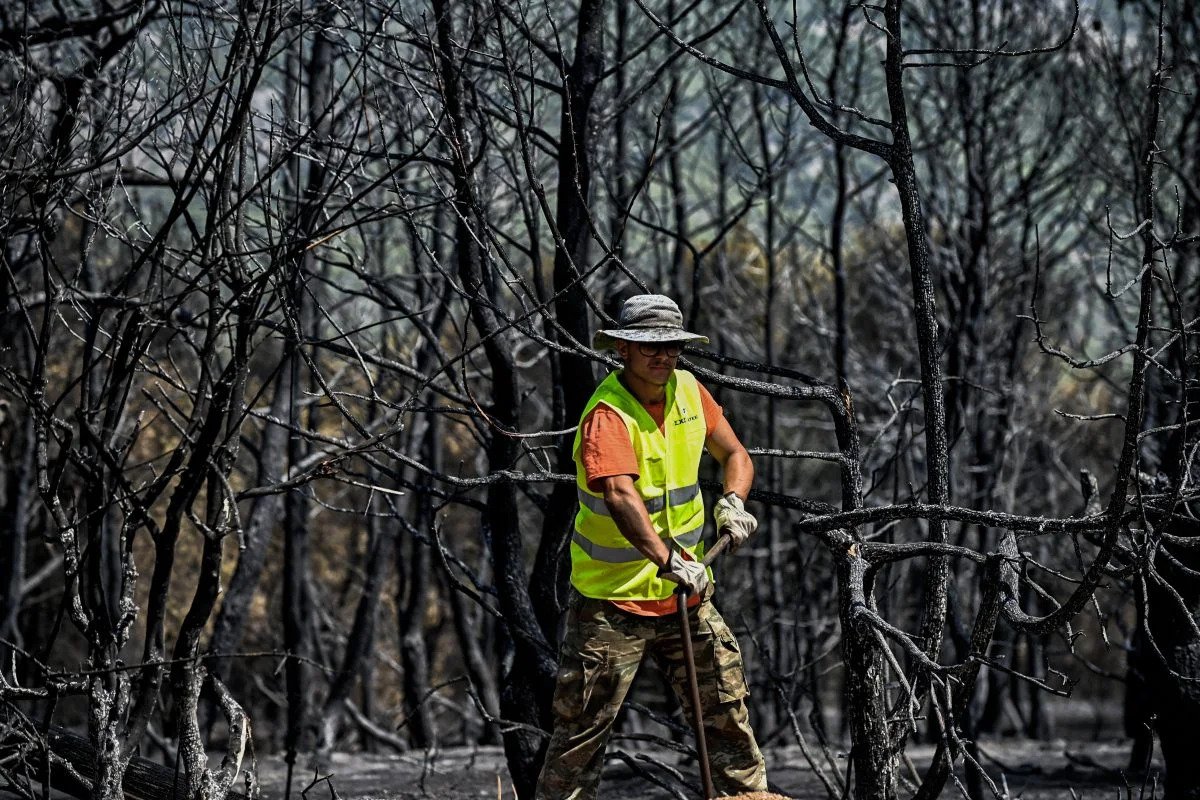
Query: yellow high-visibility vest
x=603, y=562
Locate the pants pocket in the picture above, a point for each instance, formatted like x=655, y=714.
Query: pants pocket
x=575, y=682
x=730, y=675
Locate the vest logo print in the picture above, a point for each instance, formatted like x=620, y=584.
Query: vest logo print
x=684, y=417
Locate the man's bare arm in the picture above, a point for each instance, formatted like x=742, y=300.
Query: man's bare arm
x=629, y=512
x=737, y=470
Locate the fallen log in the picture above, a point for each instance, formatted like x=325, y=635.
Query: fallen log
x=144, y=779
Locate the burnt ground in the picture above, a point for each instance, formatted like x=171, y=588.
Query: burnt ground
x=1029, y=769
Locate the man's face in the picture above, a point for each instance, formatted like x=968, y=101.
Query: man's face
x=652, y=362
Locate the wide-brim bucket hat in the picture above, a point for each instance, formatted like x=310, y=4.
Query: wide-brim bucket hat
x=647, y=318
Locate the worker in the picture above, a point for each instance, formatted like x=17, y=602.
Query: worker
x=637, y=536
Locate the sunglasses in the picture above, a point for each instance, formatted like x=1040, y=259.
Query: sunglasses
x=669, y=349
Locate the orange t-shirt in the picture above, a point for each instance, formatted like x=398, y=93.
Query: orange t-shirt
x=607, y=450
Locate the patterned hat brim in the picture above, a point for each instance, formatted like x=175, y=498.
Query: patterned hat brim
x=607, y=340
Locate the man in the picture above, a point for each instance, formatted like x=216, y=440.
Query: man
x=638, y=536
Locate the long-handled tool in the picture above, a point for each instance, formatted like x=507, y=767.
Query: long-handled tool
x=689, y=661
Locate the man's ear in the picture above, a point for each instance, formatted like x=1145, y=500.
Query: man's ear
x=622, y=349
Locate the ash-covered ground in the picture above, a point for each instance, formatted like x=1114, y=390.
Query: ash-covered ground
x=1032, y=770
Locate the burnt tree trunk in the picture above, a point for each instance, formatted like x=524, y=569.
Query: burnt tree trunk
x=413, y=591
x=528, y=682
x=258, y=527
x=1162, y=685
x=865, y=704
x=1166, y=650
x=576, y=379
x=937, y=457
x=361, y=640
x=310, y=176
x=1170, y=689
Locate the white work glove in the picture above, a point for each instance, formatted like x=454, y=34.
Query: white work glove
x=733, y=518
x=691, y=575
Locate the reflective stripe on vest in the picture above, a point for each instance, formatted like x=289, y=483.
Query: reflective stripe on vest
x=603, y=563
x=674, y=497
x=623, y=555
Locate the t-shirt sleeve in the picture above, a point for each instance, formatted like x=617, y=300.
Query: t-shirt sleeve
x=605, y=447
x=712, y=411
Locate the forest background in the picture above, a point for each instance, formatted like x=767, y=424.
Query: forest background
x=297, y=309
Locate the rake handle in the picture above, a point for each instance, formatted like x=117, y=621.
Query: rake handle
x=689, y=660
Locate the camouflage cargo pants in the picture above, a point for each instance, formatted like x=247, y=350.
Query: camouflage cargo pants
x=598, y=661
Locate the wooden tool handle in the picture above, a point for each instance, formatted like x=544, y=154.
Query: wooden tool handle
x=723, y=540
